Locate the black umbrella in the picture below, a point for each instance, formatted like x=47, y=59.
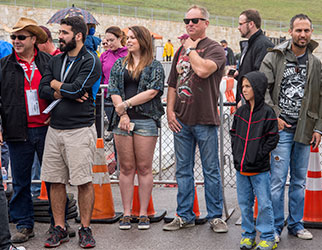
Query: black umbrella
x=73, y=11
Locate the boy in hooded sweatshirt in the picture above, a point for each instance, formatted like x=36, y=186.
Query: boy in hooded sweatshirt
x=254, y=134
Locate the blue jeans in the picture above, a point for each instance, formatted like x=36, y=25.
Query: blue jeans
x=289, y=153
x=35, y=175
x=22, y=157
x=247, y=188
x=144, y=127
x=185, y=143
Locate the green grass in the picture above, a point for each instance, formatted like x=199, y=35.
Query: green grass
x=273, y=11
x=281, y=10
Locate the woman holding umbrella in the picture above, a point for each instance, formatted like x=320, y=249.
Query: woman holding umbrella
x=136, y=85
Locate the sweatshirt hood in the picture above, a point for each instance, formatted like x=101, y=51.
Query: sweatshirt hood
x=259, y=84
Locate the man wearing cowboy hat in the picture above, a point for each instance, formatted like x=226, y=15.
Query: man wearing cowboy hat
x=24, y=124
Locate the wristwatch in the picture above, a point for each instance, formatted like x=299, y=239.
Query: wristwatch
x=189, y=50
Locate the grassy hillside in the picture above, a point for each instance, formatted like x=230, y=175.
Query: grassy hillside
x=273, y=11
x=279, y=10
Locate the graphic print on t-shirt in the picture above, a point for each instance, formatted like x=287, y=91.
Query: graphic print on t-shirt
x=292, y=90
x=185, y=80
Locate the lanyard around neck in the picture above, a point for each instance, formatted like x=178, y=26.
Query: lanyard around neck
x=63, y=72
x=33, y=65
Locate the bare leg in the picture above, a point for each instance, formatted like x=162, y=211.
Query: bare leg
x=86, y=203
x=125, y=152
x=144, y=148
x=58, y=203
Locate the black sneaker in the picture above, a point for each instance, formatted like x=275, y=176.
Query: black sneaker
x=58, y=236
x=86, y=239
x=71, y=232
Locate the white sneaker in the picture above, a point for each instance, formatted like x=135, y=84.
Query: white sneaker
x=177, y=223
x=304, y=234
x=12, y=247
x=218, y=225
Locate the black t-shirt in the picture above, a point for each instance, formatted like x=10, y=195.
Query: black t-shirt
x=130, y=89
x=292, y=91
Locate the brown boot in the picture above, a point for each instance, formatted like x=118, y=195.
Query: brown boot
x=22, y=235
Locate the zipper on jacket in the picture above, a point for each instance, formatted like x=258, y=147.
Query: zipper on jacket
x=250, y=121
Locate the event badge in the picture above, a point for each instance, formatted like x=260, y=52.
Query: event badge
x=33, y=103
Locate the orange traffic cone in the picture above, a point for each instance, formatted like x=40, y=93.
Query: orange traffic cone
x=229, y=93
x=199, y=220
x=103, y=211
x=153, y=215
x=312, y=216
x=43, y=192
x=42, y=199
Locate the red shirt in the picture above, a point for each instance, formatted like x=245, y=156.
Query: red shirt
x=37, y=120
x=56, y=52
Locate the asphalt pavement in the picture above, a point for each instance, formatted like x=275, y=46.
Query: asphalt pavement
x=108, y=236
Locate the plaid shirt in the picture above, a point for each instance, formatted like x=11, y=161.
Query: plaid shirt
x=152, y=77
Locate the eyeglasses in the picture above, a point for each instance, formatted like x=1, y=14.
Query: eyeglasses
x=193, y=20
x=241, y=24
x=104, y=43
x=20, y=37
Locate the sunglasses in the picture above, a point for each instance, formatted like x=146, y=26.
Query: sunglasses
x=20, y=37
x=193, y=20
x=104, y=43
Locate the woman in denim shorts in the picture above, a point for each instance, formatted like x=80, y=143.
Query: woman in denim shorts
x=136, y=85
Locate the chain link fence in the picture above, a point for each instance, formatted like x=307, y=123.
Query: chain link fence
x=146, y=13
x=164, y=158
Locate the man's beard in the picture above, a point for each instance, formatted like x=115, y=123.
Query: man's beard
x=245, y=34
x=68, y=46
x=300, y=45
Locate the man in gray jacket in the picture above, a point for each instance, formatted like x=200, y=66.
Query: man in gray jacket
x=294, y=92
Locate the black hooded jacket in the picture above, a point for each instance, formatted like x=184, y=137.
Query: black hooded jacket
x=254, y=134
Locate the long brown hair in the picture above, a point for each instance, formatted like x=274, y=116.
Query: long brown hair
x=116, y=31
x=144, y=38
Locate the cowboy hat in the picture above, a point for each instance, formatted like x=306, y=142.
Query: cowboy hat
x=30, y=25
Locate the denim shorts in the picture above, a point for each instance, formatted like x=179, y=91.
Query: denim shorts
x=145, y=127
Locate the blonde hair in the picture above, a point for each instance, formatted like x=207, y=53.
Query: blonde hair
x=144, y=38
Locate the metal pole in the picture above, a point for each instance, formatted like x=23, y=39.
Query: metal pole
x=152, y=14
x=222, y=172
x=119, y=8
x=160, y=153
x=135, y=11
x=102, y=8
x=102, y=112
